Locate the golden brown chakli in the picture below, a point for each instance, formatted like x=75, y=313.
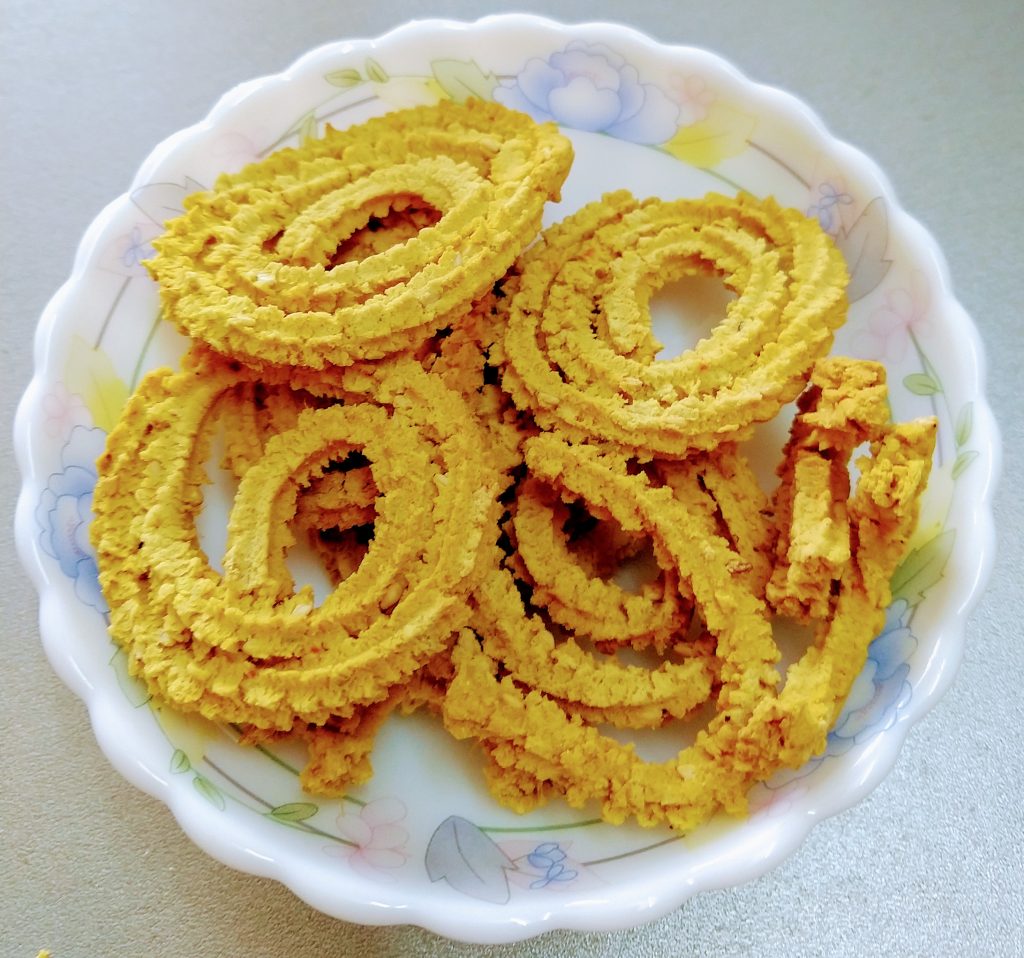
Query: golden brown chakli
x=465, y=420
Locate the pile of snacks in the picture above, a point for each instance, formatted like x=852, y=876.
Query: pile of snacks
x=465, y=420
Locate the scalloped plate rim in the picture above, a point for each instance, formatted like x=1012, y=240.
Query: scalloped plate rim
x=489, y=925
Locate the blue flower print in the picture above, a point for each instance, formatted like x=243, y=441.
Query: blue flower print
x=65, y=511
x=590, y=87
x=882, y=688
x=549, y=859
x=826, y=207
x=879, y=693
x=137, y=249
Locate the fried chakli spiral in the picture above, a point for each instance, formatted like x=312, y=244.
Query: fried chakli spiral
x=334, y=513
x=579, y=348
x=271, y=266
x=244, y=646
x=537, y=747
x=575, y=594
x=600, y=688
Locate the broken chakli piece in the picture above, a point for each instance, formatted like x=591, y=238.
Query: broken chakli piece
x=464, y=420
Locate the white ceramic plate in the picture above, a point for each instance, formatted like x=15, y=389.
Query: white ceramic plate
x=423, y=843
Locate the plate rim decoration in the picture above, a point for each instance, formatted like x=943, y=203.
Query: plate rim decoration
x=369, y=859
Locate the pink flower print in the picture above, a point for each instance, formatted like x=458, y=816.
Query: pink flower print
x=377, y=838
x=232, y=151
x=693, y=96
x=63, y=411
x=903, y=313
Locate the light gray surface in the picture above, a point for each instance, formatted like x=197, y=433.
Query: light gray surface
x=931, y=864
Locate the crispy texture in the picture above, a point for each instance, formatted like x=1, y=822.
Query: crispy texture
x=242, y=646
x=578, y=598
x=473, y=436
x=538, y=747
x=844, y=407
x=264, y=266
x=580, y=352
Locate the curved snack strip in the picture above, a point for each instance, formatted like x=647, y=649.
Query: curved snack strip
x=624, y=695
x=338, y=500
x=533, y=733
x=844, y=406
x=745, y=515
x=334, y=503
x=340, y=751
x=582, y=602
x=390, y=224
x=883, y=512
x=630, y=695
x=246, y=268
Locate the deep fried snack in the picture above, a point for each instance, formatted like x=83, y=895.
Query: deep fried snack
x=466, y=358
x=244, y=646
x=474, y=435
x=269, y=266
x=745, y=516
x=597, y=687
x=252, y=412
x=335, y=510
x=537, y=748
x=845, y=406
x=531, y=732
x=340, y=750
x=576, y=597
x=579, y=348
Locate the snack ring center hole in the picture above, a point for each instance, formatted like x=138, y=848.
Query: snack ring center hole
x=685, y=310
x=381, y=232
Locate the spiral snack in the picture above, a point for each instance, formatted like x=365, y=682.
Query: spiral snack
x=580, y=352
x=333, y=512
x=243, y=646
x=523, y=725
x=266, y=267
x=579, y=598
x=597, y=687
x=510, y=690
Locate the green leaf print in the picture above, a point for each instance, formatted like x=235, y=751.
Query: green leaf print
x=294, y=811
x=923, y=568
x=307, y=128
x=921, y=384
x=963, y=461
x=209, y=791
x=964, y=425
x=344, y=78
x=375, y=72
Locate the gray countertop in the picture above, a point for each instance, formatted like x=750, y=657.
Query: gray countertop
x=932, y=863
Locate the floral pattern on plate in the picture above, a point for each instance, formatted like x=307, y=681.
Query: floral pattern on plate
x=664, y=105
